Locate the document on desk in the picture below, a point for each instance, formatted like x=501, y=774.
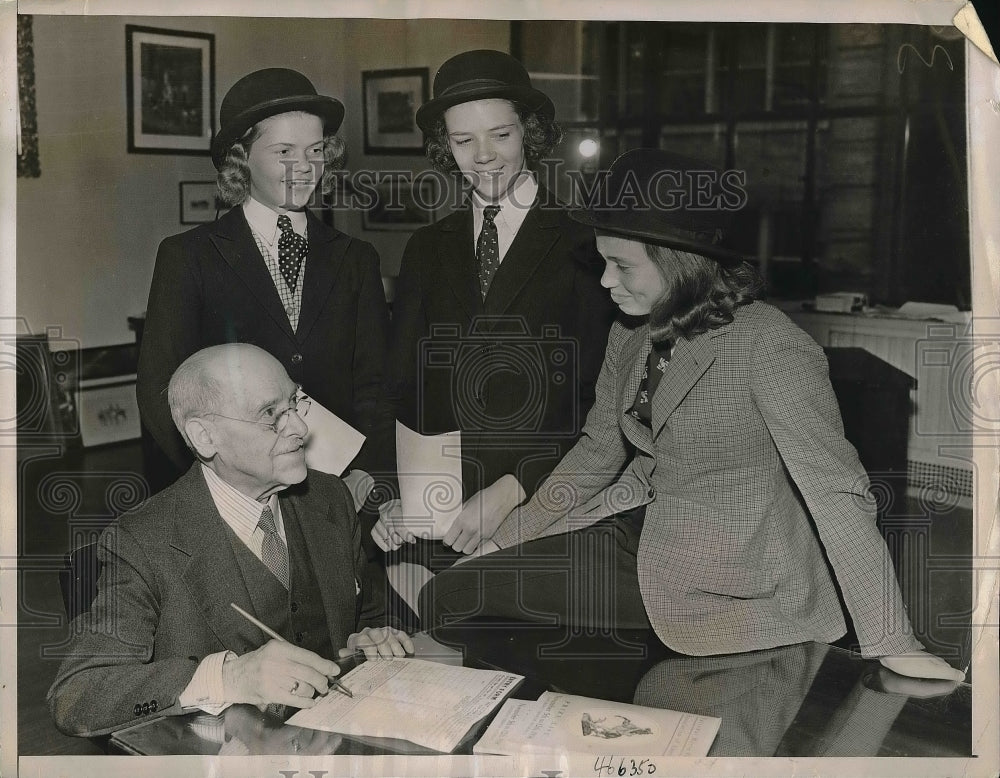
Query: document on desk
x=429, y=468
x=427, y=703
x=565, y=723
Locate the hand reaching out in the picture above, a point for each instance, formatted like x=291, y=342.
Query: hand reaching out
x=277, y=672
x=379, y=642
x=483, y=513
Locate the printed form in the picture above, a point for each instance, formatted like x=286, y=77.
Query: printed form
x=427, y=703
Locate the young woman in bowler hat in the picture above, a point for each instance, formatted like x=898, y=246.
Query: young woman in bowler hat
x=714, y=448
x=268, y=271
x=505, y=292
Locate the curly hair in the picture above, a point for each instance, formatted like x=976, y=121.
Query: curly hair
x=700, y=294
x=233, y=178
x=541, y=135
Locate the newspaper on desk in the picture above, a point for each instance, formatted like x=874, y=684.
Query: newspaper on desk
x=429, y=468
x=568, y=724
x=431, y=704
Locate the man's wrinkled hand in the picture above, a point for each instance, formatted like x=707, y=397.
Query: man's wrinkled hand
x=379, y=642
x=277, y=672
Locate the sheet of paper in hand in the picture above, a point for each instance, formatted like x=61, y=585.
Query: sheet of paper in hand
x=430, y=480
x=430, y=704
x=331, y=443
x=567, y=724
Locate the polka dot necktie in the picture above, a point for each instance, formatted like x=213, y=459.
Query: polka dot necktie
x=273, y=551
x=292, y=249
x=488, y=249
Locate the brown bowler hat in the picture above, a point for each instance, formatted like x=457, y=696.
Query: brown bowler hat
x=480, y=75
x=265, y=93
x=665, y=198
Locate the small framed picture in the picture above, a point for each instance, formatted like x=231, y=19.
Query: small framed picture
x=108, y=411
x=391, y=99
x=170, y=90
x=401, y=206
x=199, y=202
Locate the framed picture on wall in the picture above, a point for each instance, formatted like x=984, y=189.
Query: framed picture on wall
x=170, y=89
x=108, y=411
x=391, y=99
x=199, y=202
x=401, y=206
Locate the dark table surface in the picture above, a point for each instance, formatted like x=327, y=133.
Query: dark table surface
x=808, y=699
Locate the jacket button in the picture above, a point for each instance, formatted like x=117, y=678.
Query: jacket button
x=296, y=359
x=298, y=637
x=145, y=708
x=153, y=706
x=651, y=492
x=294, y=607
x=137, y=710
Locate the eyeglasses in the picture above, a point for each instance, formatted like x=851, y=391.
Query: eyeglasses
x=299, y=406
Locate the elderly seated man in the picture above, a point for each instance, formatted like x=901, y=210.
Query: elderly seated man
x=246, y=525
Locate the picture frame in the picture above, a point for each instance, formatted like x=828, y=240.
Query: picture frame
x=170, y=90
x=108, y=411
x=390, y=99
x=398, y=209
x=199, y=202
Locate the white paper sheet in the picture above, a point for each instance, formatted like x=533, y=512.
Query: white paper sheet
x=565, y=723
x=430, y=480
x=331, y=443
x=427, y=703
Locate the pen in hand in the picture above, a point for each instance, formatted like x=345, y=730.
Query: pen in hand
x=335, y=682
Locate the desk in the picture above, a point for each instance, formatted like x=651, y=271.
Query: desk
x=804, y=700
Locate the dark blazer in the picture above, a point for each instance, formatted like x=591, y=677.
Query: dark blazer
x=515, y=373
x=163, y=603
x=211, y=286
x=750, y=488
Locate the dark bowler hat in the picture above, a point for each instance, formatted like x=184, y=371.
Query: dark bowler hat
x=668, y=199
x=480, y=75
x=265, y=93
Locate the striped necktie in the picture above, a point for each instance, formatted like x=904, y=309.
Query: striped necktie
x=273, y=551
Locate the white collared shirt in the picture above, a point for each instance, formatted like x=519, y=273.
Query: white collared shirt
x=514, y=207
x=264, y=225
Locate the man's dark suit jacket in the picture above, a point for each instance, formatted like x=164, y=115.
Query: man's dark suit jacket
x=163, y=603
x=211, y=286
x=516, y=372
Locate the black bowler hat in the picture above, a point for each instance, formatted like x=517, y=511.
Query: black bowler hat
x=668, y=199
x=480, y=75
x=265, y=93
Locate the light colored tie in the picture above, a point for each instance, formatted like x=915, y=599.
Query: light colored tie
x=292, y=249
x=488, y=249
x=273, y=551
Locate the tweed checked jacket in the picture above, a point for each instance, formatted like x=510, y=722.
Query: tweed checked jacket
x=745, y=464
x=163, y=602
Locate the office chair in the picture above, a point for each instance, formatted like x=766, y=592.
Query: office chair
x=78, y=579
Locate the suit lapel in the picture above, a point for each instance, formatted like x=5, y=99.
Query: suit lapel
x=536, y=237
x=322, y=546
x=688, y=362
x=458, y=261
x=211, y=571
x=323, y=265
x=235, y=242
x=633, y=360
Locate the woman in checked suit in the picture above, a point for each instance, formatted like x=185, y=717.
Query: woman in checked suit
x=712, y=472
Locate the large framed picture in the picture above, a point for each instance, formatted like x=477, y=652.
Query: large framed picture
x=391, y=99
x=199, y=202
x=170, y=89
x=401, y=206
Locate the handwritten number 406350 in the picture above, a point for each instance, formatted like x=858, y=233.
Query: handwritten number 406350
x=610, y=765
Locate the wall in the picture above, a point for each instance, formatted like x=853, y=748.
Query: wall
x=88, y=228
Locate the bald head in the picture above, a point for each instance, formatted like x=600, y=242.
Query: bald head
x=217, y=379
